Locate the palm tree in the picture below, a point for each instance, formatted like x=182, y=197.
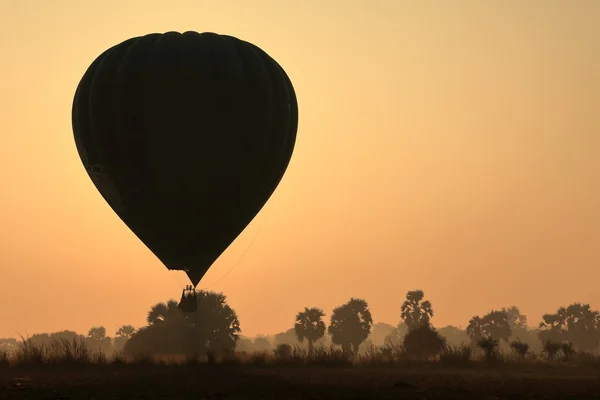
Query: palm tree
x=125, y=332
x=216, y=321
x=122, y=335
x=350, y=325
x=213, y=326
x=414, y=312
x=97, y=339
x=165, y=313
x=97, y=333
x=310, y=326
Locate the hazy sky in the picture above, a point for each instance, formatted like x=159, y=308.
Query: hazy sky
x=450, y=146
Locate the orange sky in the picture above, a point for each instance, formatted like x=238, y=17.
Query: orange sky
x=444, y=145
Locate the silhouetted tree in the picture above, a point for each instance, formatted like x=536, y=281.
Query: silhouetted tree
x=497, y=325
x=567, y=350
x=125, y=332
x=414, y=311
x=577, y=324
x=97, y=339
x=489, y=345
x=122, y=335
x=475, y=329
x=493, y=325
x=214, y=327
x=423, y=341
x=97, y=333
x=310, y=326
x=283, y=352
x=165, y=313
x=515, y=318
x=551, y=348
x=216, y=321
x=350, y=325
x=520, y=348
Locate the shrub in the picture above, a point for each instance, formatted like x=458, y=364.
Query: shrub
x=551, y=348
x=567, y=350
x=520, y=348
x=283, y=352
x=489, y=346
x=423, y=342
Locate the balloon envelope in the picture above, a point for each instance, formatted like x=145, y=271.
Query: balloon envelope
x=186, y=136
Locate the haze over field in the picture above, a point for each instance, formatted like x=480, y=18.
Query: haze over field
x=446, y=146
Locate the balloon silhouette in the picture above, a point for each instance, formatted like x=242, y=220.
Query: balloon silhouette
x=186, y=136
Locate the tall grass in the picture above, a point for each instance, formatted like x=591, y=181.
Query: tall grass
x=56, y=352
x=457, y=356
x=77, y=353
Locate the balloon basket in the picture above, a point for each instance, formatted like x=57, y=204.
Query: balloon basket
x=189, y=300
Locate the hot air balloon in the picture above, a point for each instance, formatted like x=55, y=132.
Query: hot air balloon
x=186, y=136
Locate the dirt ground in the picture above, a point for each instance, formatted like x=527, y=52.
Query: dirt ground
x=302, y=382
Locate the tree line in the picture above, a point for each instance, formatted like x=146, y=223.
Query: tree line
x=214, y=327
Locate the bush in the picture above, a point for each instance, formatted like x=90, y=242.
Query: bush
x=423, y=342
x=551, y=348
x=567, y=350
x=520, y=348
x=489, y=346
x=283, y=352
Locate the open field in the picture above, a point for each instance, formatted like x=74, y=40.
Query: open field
x=65, y=370
x=249, y=381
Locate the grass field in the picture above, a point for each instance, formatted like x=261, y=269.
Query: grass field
x=68, y=371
